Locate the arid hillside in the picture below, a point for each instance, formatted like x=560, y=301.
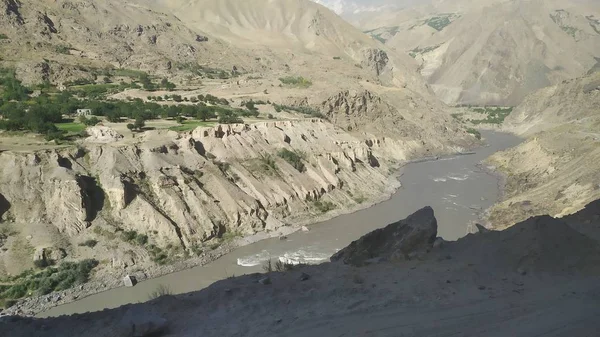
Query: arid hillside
x=61, y=41
x=493, y=52
x=555, y=171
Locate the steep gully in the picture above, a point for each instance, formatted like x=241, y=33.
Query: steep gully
x=457, y=188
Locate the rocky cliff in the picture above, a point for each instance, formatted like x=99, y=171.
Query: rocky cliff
x=183, y=193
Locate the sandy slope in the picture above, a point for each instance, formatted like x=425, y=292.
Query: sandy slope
x=556, y=170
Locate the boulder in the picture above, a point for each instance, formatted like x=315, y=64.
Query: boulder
x=129, y=281
x=481, y=228
x=400, y=240
x=438, y=243
x=57, y=254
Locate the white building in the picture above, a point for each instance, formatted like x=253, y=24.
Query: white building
x=84, y=112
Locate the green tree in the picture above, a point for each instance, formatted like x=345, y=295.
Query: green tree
x=228, y=117
x=167, y=85
x=204, y=113
x=139, y=122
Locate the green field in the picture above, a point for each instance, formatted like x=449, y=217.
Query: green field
x=72, y=127
x=495, y=115
x=190, y=125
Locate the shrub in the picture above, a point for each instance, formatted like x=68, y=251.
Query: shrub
x=280, y=266
x=89, y=121
x=270, y=116
x=134, y=237
x=9, y=303
x=139, y=122
x=55, y=135
x=41, y=263
x=229, y=118
x=128, y=235
x=62, y=49
x=474, y=132
x=268, y=267
x=324, y=206
x=89, y=243
x=67, y=275
x=141, y=239
x=296, y=81
x=268, y=162
x=160, y=291
x=293, y=159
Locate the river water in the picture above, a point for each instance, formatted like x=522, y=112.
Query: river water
x=454, y=187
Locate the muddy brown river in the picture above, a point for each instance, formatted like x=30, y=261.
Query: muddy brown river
x=454, y=187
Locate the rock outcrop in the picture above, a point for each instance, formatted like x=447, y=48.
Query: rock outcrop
x=375, y=59
x=102, y=134
x=401, y=240
x=182, y=190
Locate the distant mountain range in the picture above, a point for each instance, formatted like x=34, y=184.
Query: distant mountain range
x=351, y=8
x=492, y=51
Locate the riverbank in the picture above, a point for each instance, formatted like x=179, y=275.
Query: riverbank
x=35, y=305
x=382, y=206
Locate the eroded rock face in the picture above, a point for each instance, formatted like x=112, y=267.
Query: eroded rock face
x=11, y=11
x=398, y=241
x=182, y=190
x=375, y=59
x=102, y=134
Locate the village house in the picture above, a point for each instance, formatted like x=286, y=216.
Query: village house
x=84, y=112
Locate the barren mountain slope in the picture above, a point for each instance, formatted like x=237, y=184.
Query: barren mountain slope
x=65, y=40
x=495, y=52
x=305, y=34
x=556, y=170
x=539, y=277
x=574, y=101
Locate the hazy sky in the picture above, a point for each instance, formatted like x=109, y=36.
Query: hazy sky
x=349, y=7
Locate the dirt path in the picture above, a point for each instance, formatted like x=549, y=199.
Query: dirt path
x=534, y=314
